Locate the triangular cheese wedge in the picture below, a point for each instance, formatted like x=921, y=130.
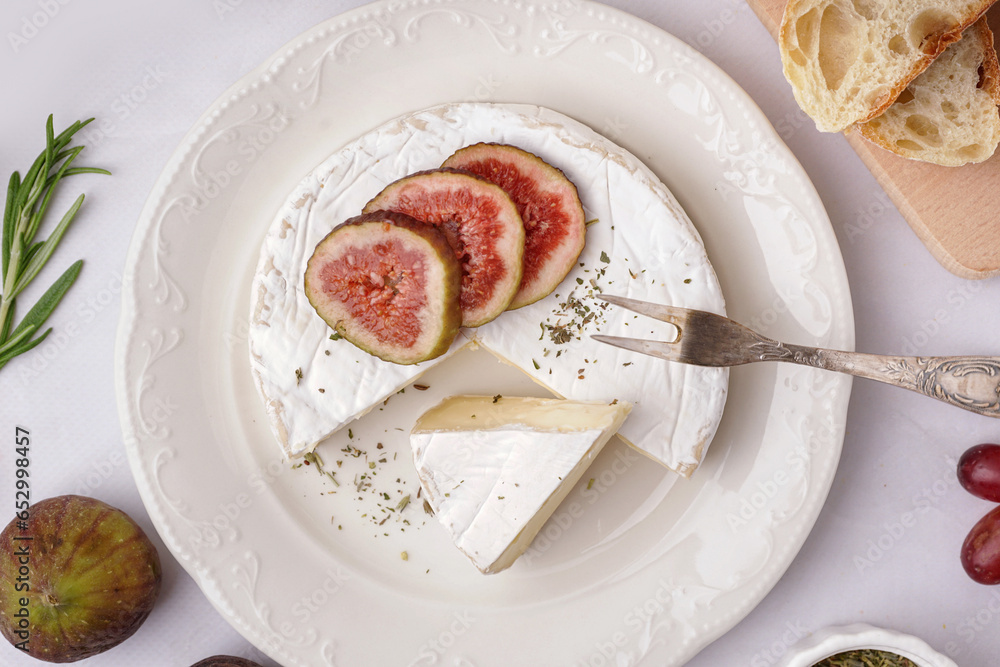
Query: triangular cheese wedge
x=494, y=469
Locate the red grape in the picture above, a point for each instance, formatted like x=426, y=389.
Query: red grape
x=981, y=549
x=979, y=471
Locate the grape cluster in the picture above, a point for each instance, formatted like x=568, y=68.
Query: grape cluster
x=979, y=474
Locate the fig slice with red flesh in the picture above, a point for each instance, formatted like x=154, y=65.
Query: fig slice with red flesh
x=549, y=204
x=389, y=284
x=483, y=226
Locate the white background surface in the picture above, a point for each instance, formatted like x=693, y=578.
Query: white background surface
x=885, y=549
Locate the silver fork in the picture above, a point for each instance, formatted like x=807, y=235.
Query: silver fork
x=707, y=339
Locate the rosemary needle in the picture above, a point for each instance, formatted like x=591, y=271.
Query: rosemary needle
x=21, y=256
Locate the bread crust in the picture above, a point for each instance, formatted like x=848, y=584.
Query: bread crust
x=833, y=111
x=960, y=137
x=991, y=65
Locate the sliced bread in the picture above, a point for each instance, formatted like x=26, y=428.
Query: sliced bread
x=948, y=115
x=847, y=60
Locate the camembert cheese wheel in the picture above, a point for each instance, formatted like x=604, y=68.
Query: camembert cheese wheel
x=639, y=244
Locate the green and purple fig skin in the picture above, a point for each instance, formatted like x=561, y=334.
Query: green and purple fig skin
x=482, y=225
x=85, y=574
x=226, y=661
x=389, y=284
x=549, y=206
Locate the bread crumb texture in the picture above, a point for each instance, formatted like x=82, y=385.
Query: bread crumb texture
x=848, y=60
x=948, y=115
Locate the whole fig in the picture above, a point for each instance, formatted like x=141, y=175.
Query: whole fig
x=77, y=577
x=226, y=661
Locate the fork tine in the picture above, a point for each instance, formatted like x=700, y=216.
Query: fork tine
x=653, y=348
x=657, y=311
x=716, y=340
x=671, y=314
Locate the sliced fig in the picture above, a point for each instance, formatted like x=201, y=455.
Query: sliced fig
x=481, y=223
x=388, y=283
x=549, y=205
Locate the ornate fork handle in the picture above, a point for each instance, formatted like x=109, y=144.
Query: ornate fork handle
x=708, y=339
x=972, y=383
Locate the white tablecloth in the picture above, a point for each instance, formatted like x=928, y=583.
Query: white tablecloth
x=885, y=548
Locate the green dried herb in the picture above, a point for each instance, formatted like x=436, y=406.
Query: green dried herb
x=865, y=658
x=313, y=457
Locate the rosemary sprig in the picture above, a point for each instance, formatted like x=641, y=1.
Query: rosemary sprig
x=21, y=256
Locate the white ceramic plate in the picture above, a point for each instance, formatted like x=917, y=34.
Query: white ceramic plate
x=633, y=568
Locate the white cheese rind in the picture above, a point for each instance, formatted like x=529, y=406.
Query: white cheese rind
x=653, y=253
x=494, y=487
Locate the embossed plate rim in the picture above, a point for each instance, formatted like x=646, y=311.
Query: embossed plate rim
x=606, y=30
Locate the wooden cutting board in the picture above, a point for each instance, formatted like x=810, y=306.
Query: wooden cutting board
x=955, y=211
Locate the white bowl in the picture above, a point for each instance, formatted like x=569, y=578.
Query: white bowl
x=831, y=641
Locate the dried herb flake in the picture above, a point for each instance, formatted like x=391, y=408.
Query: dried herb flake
x=866, y=658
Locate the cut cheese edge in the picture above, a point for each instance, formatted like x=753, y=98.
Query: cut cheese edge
x=494, y=469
